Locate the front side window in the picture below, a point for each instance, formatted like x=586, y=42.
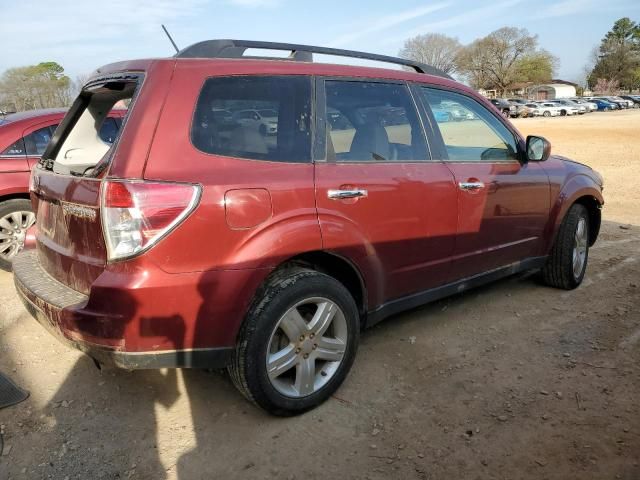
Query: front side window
x=477, y=137
x=371, y=121
x=255, y=117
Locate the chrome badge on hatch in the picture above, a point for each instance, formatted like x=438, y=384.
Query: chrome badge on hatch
x=79, y=211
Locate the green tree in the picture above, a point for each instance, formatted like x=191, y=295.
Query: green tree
x=505, y=57
x=619, y=55
x=35, y=86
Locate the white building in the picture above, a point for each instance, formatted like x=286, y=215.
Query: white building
x=553, y=90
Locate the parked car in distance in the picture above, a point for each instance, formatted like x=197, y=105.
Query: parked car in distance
x=268, y=258
x=536, y=110
x=550, y=109
x=506, y=108
x=567, y=108
x=604, y=105
x=590, y=106
x=618, y=102
x=23, y=138
x=635, y=99
x=264, y=120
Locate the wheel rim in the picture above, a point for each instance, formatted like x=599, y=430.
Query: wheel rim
x=306, y=347
x=580, y=248
x=13, y=229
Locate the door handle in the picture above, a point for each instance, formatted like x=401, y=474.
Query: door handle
x=343, y=194
x=471, y=185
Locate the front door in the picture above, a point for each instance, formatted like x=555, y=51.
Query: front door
x=503, y=202
x=382, y=203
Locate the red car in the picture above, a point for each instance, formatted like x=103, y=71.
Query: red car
x=196, y=240
x=23, y=139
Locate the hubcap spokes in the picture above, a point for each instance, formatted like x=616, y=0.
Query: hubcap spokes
x=13, y=229
x=580, y=248
x=306, y=347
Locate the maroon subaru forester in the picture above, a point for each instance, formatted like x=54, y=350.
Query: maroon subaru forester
x=257, y=213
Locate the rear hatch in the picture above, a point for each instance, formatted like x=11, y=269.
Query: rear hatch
x=66, y=184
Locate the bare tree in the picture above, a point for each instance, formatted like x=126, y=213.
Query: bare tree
x=433, y=49
x=504, y=57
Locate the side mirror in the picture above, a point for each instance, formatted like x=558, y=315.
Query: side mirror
x=538, y=149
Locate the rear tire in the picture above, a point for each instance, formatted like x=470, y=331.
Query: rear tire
x=282, y=329
x=546, y=114
x=567, y=262
x=16, y=216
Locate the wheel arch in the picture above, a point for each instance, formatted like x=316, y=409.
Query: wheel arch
x=579, y=189
x=337, y=267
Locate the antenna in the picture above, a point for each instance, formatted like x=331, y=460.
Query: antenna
x=170, y=39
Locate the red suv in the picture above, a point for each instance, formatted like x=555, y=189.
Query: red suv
x=198, y=240
x=23, y=139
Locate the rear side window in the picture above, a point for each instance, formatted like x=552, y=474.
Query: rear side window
x=255, y=117
x=15, y=150
x=372, y=121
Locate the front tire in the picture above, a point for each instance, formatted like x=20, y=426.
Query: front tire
x=567, y=263
x=16, y=216
x=298, y=342
x=546, y=114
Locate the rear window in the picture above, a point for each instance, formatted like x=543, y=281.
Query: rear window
x=82, y=143
x=255, y=117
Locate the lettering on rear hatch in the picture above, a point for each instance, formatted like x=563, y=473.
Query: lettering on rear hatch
x=79, y=211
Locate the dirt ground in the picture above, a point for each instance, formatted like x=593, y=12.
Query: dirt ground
x=511, y=381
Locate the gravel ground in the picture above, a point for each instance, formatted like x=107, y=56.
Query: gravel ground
x=513, y=380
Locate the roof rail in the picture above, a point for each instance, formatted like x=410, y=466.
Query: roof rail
x=301, y=53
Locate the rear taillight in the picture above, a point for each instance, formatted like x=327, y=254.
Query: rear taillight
x=137, y=214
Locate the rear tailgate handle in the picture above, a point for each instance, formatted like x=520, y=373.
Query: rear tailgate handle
x=350, y=193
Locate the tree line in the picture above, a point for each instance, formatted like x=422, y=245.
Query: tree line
x=511, y=56
x=44, y=85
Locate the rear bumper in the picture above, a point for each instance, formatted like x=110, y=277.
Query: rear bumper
x=65, y=313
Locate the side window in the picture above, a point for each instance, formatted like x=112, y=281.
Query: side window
x=15, y=149
x=256, y=117
x=477, y=136
x=371, y=121
x=36, y=142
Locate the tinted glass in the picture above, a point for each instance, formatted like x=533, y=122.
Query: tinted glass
x=264, y=118
x=36, y=142
x=479, y=137
x=15, y=149
x=369, y=121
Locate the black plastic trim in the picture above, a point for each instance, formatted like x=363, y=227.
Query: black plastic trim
x=420, y=298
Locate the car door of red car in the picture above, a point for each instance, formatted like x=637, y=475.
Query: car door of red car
x=382, y=203
x=36, y=138
x=503, y=202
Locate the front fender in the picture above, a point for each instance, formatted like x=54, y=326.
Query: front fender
x=576, y=187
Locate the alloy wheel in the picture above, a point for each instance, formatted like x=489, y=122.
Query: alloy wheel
x=306, y=347
x=580, y=246
x=13, y=229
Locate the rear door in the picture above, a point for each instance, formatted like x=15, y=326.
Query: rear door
x=503, y=202
x=382, y=202
x=36, y=138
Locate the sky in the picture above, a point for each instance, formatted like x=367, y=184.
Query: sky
x=83, y=35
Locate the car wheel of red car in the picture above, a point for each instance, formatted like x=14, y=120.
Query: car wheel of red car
x=298, y=342
x=567, y=263
x=16, y=217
